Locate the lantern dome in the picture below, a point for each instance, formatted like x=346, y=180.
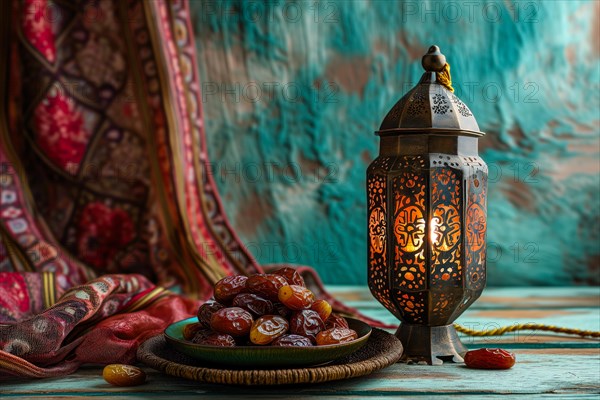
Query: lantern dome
x=431, y=106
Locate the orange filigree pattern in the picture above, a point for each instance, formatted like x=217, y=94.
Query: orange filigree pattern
x=476, y=224
x=412, y=306
x=476, y=227
x=378, y=273
x=377, y=231
x=409, y=190
x=443, y=306
x=409, y=229
x=446, y=227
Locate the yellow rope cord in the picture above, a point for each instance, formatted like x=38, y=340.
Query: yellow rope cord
x=444, y=77
x=526, y=327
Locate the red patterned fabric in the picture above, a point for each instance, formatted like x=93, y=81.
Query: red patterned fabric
x=102, y=321
x=107, y=204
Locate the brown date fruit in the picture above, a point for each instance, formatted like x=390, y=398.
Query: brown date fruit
x=206, y=311
x=257, y=305
x=292, y=341
x=123, y=375
x=291, y=276
x=282, y=310
x=296, y=297
x=268, y=328
x=489, y=359
x=233, y=321
x=190, y=330
x=336, y=321
x=323, y=308
x=266, y=285
x=306, y=323
x=201, y=334
x=216, y=339
x=229, y=287
x=336, y=336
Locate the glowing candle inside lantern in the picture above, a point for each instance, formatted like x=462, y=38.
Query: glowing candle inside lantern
x=434, y=224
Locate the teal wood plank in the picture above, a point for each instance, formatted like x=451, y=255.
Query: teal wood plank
x=545, y=371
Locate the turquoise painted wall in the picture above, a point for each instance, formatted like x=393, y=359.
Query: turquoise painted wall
x=294, y=90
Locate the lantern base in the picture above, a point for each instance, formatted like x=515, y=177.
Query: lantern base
x=430, y=344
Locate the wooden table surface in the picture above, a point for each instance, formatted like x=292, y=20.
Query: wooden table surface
x=547, y=364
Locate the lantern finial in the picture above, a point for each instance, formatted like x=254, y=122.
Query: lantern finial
x=434, y=60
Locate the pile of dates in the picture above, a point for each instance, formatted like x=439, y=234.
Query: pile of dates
x=267, y=309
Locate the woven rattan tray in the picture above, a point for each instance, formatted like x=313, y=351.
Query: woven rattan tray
x=382, y=350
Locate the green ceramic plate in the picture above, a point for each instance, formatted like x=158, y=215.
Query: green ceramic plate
x=255, y=357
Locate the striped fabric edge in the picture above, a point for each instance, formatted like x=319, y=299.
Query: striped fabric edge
x=205, y=265
x=15, y=365
x=144, y=301
x=49, y=292
x=168, y=212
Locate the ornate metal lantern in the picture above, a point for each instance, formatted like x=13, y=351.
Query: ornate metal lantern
x=426, y=194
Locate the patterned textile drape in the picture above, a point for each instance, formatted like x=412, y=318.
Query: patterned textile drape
x=105, y=121
x=110, y=222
